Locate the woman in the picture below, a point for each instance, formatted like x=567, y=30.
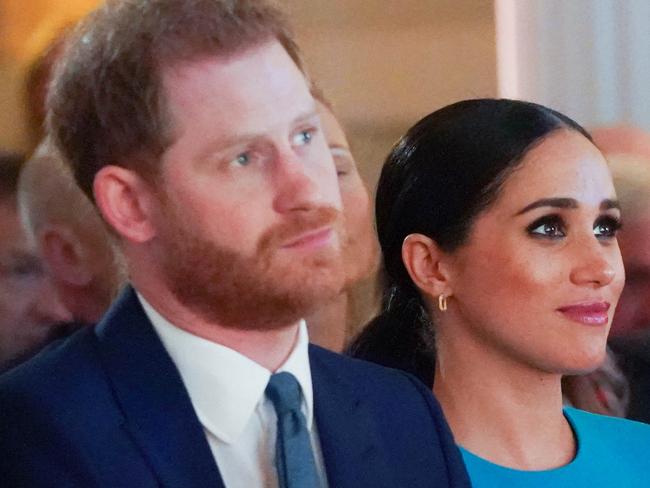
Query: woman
x=333, y=324
x=497, y=220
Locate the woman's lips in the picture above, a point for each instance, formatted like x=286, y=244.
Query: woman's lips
x=594, y=313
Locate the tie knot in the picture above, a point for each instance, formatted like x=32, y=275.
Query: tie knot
x=284, y=391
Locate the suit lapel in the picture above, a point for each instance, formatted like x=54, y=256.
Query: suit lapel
x=352, y=451
x=158, y=411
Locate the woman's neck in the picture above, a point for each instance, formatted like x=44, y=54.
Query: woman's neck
x=500, y=409
x=327, y=325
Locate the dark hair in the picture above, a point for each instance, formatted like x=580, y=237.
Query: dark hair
x=10, y=166
x=106, y=103
x=438, y=178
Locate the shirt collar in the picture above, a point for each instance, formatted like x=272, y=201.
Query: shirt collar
x=226, y=387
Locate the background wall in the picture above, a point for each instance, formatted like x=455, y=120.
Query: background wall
x=383, y=63
x=387, y=63
x=586, y=58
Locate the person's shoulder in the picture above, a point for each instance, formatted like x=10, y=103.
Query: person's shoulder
x=372, y=380
x=610, y=429
x=60, y=373
x=359, y=368
x=406, y=416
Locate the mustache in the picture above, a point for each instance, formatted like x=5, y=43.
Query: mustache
x=299, y=224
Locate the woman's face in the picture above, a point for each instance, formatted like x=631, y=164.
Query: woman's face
x=361, y=250
x=540, y=275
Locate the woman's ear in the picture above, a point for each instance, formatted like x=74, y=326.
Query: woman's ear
x=426, y=265
x=125, y=201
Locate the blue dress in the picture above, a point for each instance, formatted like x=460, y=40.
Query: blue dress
x=611, y=452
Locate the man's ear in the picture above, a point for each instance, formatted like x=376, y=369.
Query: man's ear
x=64, y=255
x=426, y=265
x=125, y=200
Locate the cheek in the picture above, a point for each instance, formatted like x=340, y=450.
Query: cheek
x=202, y=214
x=13, y=305
x=510, y=281
x=356, y=207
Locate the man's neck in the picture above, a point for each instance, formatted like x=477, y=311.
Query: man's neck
x=269, y=348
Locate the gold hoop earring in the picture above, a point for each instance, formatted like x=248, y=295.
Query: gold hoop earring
x=442, y=302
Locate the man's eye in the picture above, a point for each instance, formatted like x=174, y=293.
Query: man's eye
x=242, y=159
x=550, y=226
x=303, y=137
x=606, y=227
x=22, y=270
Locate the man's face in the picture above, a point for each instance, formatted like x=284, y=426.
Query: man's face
x=248, y=214
x=29, y=306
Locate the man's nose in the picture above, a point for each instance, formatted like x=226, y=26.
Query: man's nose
x=303, y=185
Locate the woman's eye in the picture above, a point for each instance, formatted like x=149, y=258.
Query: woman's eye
x=606, y=227
x=551, y=227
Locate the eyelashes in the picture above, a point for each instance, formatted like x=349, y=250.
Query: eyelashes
x=548, y=226
x=607, y=226
x=554, y=227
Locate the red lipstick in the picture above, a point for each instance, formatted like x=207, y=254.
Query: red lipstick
x=594, y=313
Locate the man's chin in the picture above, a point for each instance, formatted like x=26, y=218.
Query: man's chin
x=298, y=296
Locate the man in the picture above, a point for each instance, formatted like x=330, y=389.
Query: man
x=192, y=126
x=29, y=309
x=70, y=236
x=337, y=321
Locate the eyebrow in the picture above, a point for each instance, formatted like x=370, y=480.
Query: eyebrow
x=569, y=203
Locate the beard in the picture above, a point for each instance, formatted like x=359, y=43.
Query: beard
x=267, y=290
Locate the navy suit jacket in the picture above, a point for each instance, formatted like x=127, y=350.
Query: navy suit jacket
x=107, y=408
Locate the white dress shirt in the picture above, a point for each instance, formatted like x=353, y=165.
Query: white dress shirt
x=227, y=392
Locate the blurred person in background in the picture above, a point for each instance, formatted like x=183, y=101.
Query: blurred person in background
x=621, y=386
x=628, y=151
x=69, y=235
x=630, y=337
x=334, y=324
x=30, y=311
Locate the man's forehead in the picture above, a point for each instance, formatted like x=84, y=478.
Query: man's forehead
x=261, y=64
x=254, y=91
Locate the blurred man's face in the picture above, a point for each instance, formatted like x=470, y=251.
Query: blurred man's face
x=247, y=228
x=360, y=248
x=29, y=306
x=633, y=312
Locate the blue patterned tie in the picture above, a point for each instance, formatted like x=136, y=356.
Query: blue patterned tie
x=294, y=458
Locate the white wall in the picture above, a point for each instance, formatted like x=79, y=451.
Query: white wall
x=587, y=58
